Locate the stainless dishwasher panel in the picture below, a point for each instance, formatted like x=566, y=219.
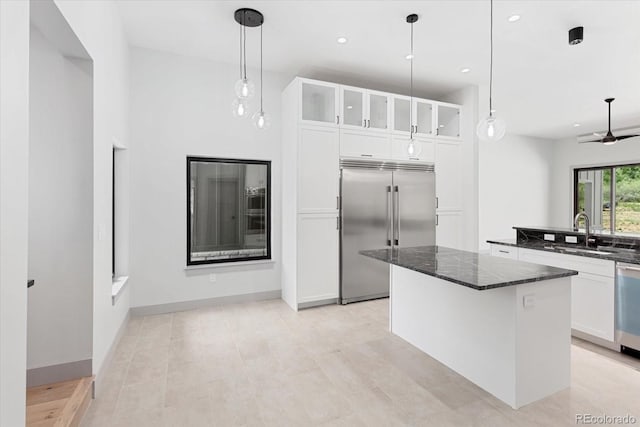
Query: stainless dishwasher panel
x=366, y=200
x=628, y=305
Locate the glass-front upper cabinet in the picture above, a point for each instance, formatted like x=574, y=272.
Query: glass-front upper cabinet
x=353, y=107
x=378, y=110
x=423, y=121
x=319, y=102
x=402, y=114
x=416, y=116
x=448, y=121
x=361, y=108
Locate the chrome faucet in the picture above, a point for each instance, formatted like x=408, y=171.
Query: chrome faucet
x=587, y=224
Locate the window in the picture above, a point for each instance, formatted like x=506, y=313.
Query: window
x=610, y=195
x=228, y=210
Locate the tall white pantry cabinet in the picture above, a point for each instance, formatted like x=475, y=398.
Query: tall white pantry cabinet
x=323, y=122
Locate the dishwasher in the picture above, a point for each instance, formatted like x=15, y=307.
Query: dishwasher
x=628, y=308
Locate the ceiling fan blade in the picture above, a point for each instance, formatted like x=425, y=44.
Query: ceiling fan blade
x=625, y=137
x=595, y=140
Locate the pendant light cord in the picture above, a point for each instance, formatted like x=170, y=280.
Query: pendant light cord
x=491, y=65
x=411, y=88
x=244, y=41
x=261, y=69
x=240, y=50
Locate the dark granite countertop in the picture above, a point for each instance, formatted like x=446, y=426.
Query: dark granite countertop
x=608, y=253
x=470, y=269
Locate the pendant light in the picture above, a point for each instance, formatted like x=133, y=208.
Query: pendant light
x=261, y=119
x=492, y=128
x=413, y=149
x=244, y=88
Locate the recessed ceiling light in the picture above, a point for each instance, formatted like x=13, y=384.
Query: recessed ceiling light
x=342, y=40
x=465, y=70
x=349, y=107
x=409, y=56
x=441, y=126
x=576, y=125
x=514, y=18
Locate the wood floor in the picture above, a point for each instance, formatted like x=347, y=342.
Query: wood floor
x=261, y=364
x=61, y=404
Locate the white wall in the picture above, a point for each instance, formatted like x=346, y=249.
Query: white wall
x=182, y=106
x=99, y=27
x=60, y=308
x=14, y=143
x=568, y=154
x=514, y=185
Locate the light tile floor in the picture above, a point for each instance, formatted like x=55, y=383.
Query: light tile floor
x=262, y=364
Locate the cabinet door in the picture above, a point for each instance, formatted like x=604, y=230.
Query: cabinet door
x=366, y=145
x=401, y=114
x=318, y=169
x=424, y=149
x=378, y=111
x=353, y=107
x=317, y=257
x=448, y=232
x=504, y=251
x=448, y=170
x=423, y=117
x=319, y=103
x=592, y=305
x=448, y=118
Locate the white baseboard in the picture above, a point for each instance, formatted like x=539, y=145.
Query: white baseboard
x=56, y=373
x=149, y=310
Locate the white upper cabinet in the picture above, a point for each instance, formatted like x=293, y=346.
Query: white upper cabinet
x=423, y=117
x=319, y=103
x=378, y=111
x=448, y=117
x=418, y=116
x=318, y=169
x=364, y=109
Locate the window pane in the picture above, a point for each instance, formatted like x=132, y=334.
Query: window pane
x=594, y=196
x=628, y=199
x=228, y=204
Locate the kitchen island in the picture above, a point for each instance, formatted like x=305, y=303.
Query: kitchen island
x=505, y=325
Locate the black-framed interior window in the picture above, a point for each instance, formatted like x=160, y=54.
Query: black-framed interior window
x=610, y=195
x=228, y=210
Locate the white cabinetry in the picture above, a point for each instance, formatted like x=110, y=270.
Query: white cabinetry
x=448, y=175
x=310, y=177
x=417, y=115
x=448, y=120
x=317, y=258
x=318, y=102
x=365, y=145
x=448, y=229
x=504, y=251
x=364, y=109
x=592, y=290
x=424, y=149
x=318, y=172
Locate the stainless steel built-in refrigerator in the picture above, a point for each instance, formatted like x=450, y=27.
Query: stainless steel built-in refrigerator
x=383, y=205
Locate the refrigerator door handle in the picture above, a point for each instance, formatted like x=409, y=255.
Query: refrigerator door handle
x=389, y=214
x=396, y=217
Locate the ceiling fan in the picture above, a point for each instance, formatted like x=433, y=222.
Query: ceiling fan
x=609, y=138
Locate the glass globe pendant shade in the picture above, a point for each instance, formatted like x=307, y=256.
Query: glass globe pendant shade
x=414, y=148
x=491, y=129
x=262, y=120
x=240, y=108
x=245, y=88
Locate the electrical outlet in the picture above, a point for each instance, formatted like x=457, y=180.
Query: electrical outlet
x=550, y=237
x=212, y=278
x=529, y=301
x=571, y=239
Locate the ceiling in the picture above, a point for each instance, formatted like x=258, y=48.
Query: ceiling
x=542, y=86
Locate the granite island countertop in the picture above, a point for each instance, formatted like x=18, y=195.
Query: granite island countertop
x=470, y=269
